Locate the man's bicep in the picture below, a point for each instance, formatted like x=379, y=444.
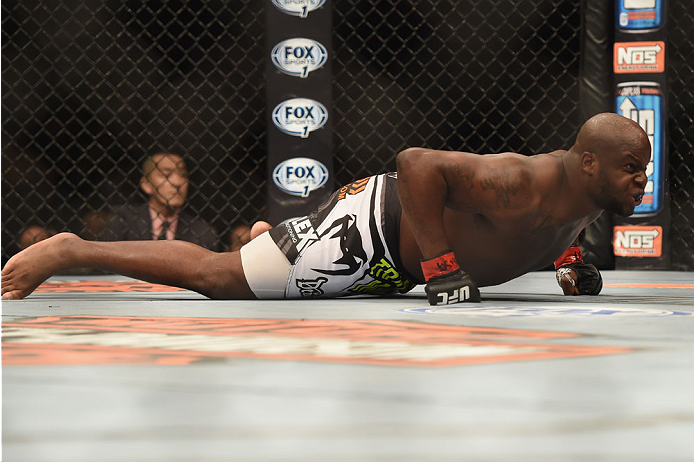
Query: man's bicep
x=462, y=180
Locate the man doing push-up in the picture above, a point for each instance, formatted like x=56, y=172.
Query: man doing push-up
x=453, y=220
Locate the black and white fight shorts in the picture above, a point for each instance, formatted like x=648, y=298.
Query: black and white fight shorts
x=349, y=246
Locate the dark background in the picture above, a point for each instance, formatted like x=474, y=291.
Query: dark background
x=91, y=88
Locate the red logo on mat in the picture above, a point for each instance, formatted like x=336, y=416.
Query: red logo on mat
x=92, y=286
x=179, y=341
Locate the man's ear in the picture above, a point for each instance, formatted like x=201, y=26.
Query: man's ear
x=589, y=162
x=146, y=186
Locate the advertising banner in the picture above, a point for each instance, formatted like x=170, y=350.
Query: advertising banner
x=642, y=102
x=299, y=104
x=640, y=83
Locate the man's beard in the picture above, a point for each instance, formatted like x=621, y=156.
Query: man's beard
x=607, y=202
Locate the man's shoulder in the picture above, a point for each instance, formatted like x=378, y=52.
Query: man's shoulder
x=545, y=171
x=127, y=210
x=507, y=171
x=520, y=183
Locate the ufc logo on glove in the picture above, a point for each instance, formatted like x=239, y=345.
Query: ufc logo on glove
x=457, y=295
x=446, y=282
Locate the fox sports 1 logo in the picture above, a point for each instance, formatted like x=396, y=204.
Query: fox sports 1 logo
x=299, y=8
x=300, y=175
x=299, y=116
x=299, y=56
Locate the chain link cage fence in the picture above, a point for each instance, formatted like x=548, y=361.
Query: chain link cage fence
x=681, y=131
x=89, y=89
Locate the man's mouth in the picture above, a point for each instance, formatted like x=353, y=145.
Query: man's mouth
x=638, y=198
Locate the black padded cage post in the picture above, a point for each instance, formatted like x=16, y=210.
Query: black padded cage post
x=298, y=73
x=640, y=68
x=595, y=97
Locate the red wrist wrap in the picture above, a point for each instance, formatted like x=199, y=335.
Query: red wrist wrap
x=438, y=266
x=570, y=255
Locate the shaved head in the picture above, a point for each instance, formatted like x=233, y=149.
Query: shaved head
x=608, y=133
x=612, y=154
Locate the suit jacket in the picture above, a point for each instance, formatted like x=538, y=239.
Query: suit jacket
x=133, y=223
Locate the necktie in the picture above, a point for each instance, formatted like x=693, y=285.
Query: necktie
x=164, y=229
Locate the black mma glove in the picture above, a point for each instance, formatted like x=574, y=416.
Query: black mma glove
x=588, y=280
x=446, y=282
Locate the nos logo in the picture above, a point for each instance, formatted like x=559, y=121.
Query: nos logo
x=647, y=54
x=299, y=116
x=299, y=8
x=638, y=241
x=299, y=56
x=300, y=176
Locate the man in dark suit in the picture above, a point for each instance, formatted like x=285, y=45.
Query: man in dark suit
x=162, y=217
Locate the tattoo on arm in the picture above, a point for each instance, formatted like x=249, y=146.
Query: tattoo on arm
x=465, y=175
x=499, y=181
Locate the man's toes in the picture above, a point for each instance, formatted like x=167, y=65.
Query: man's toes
x=9, y=295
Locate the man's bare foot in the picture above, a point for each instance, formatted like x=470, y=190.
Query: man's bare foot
x=25, y=271
x=258, y=228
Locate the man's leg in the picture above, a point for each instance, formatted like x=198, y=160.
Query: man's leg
x=174, y=263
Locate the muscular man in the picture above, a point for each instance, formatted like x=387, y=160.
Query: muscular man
x=499, y=215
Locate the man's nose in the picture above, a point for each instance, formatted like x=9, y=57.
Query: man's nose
x=642, y=179
x=178, y=179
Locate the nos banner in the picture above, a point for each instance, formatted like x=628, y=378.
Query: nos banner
x=640, y=79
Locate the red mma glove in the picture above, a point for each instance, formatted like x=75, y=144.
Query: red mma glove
x=446, y=282
x=570, y=255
